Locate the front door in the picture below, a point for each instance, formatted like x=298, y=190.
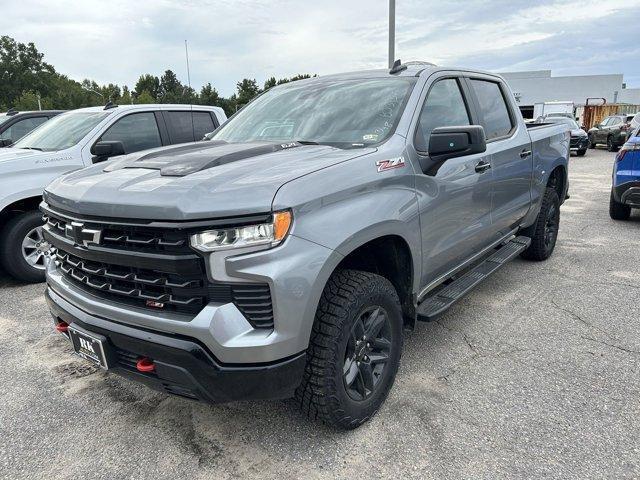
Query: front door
x=454, y=196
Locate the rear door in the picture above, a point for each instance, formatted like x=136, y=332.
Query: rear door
x=185, y=126
x=601, y=133
x=508, y=150
x=454, y=196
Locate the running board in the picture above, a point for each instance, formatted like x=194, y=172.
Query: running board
x=434, y=306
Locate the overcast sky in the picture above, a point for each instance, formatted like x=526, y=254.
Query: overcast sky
x=116, y=41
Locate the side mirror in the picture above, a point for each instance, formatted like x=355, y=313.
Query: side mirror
x=104, y=150
x=449, y=142
x=6, y=142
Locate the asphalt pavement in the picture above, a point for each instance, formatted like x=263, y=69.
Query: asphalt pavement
x=535, y=374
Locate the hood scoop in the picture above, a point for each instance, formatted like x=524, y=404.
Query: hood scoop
x=195, y=158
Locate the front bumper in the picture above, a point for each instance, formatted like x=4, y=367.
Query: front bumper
x=184, y=366
x=628, y=193
x=579, y=143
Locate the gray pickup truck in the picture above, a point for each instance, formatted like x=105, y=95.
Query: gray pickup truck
x=289, y=256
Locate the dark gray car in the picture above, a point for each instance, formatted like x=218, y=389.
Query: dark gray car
x=612, y=131
x=288, y=256
x=14, y=125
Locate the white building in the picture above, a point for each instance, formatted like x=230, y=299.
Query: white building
x=539, y=86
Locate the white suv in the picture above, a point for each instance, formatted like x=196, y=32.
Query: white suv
x=73, y=140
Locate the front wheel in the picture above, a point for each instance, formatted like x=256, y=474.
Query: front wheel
x=592, y=143
x=610, y=145
x=544, y=232
x=23, y=248
x=581, y=153
x=354, y=350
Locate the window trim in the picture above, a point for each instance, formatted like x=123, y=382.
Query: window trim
x=162, y=144
x=459, y=79
x=501, y=86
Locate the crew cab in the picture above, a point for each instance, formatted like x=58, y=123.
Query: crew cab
x=14, y=125
x=74, y=140
x=288, y=256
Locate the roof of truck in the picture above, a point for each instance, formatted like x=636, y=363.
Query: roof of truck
x=413, y=69
x=148, y=106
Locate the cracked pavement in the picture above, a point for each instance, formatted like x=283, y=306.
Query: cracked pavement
x=534, y=374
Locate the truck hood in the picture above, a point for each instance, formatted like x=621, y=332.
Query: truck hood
x=192, y=181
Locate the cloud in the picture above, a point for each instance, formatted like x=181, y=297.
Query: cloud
x=228, y=40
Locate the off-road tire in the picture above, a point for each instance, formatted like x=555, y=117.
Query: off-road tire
x=11, y=247
x=539, y=249
x=617, y=210
x=322, y=394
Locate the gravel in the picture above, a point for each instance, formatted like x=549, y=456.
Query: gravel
x=534, y=374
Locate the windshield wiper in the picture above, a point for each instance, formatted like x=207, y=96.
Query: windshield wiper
x=33, y=148
x=306, y=142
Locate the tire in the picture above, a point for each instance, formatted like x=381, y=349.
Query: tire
x=348, y=307
x=610, y=145
x=11, y=248
x=544, y=232
x=592, y=144
x=581, y=153
x=618, y=211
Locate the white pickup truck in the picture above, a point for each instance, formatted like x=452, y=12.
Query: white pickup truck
x=75, y=140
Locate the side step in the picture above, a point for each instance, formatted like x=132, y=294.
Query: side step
x=434, y=306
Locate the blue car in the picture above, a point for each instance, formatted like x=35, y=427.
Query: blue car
x=625, y=192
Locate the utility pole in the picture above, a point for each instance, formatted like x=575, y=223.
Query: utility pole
x=392, y=32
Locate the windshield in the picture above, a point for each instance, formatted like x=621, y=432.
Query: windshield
x=342, y=113
x=62, y=131
x=569, y=121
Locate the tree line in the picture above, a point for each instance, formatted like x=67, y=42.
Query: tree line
x=27, y=82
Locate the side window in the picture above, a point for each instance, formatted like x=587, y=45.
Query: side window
x=202, y=124
x=443, y=107
x=180, y=126
x=615, y=121
x=21, y=128
x=605, y=122
x=493, y=108
x=138, y=131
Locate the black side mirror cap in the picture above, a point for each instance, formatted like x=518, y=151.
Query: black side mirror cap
x=449, y=142
x=6, y=142
x=104, y=150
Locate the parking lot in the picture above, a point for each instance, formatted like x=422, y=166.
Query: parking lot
x=534, y=374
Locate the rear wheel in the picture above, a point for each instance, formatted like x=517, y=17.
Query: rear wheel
x=581, y=153
x=354, y=350
x=617, y=210
x=23, y=247
x=544, y=232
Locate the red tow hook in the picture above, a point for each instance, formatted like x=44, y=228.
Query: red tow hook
x=62, y=327
x=145, y=365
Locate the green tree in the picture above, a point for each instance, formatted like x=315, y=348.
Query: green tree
x=22, y=69
x=270, y=82
x=144, y=98
x=125, y=99
x=150, y=83
x=247, y=89
x=171, y=89
x=209, y=96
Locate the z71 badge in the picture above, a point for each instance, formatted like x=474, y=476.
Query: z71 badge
x=389, y=164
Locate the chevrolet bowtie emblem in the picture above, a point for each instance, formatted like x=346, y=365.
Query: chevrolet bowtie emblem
x=82, y=236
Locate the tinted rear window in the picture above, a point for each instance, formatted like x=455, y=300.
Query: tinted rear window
x=180, y=126
x=495, y=114
x=202, y=124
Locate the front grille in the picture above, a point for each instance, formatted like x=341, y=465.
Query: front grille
x=171, y=278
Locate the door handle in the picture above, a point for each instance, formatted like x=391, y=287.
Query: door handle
x=482, y=166
x=525, y=153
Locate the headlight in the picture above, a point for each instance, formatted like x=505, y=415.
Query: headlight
x=270, y=234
